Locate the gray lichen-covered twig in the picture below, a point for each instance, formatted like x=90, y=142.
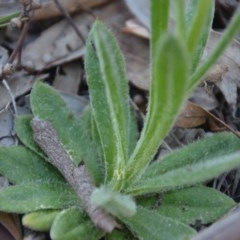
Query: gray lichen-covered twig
x=78, y=177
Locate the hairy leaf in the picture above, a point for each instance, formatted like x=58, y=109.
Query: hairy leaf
x=37, y=196
x=41, y=220
x=200, y=26
x=187, y=175
x=47, y=104
x=113, y=202
x=4, y=20
x=179, y=6
x=25, y=134
x=199, y=151
x=159, y=22
x=148, y=224
x=20, y=165
x=195, y=204
x=108, y=90
x=73, y=224
x=169, y=76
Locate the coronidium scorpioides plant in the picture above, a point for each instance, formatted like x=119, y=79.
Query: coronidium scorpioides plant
x=91, y=176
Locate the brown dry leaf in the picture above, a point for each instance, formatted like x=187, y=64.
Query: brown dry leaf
x=140, y=9
x=68, y=77
x=132, y=26
x=49, y=9
x=60, y=44
x=19, y=84
x=230, y=80
x=57, y=44
x=9, y=227
x=193, y=115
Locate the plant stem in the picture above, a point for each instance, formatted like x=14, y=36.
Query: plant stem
x=77, y=176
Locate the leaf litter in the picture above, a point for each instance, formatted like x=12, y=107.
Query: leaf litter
x=55, y=55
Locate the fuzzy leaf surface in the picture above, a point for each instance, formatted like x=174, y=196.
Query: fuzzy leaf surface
x=20, y=165
x=199, y=151
x=40, y=220
x=25, y=134
x=148, y=224
x=108, y=88
x=167, y=94
x=72, y=224
x=159, y=21
x=47, y=104
x=187, y=175
x=195, y=204
x=229, y=34
x=116, y=203
x=37, y=196
x=200, y=24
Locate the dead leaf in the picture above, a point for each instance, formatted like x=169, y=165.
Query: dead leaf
x=19, y=84
x=10, y=227
x=205, y=99
x=58, y=44
x=193, y=115
x=6, y=128
x=230, y=80
x=133, y=27
x=68, y=77
x=49, y=9
x=140, y=9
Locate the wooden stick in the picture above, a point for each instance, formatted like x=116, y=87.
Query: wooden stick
x=78, y=177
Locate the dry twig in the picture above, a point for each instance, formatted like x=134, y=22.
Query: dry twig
x=78, y=177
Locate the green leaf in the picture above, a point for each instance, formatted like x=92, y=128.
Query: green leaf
x=159, y=22
x=72, y=224
x=4, y=20
x=229, y=33
x=199, y=19
x=116, y=203
x=167, y=94
x=40, y=220
x=195, y=204
x=187, y=175
x=20, y=165
x=108, y=90
x=37, y=196
x=117, y=235
x=47, y=104
x=179, y=7
x=148, y=224
x=218, y=145
x=25, y=134
x=204, y=11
